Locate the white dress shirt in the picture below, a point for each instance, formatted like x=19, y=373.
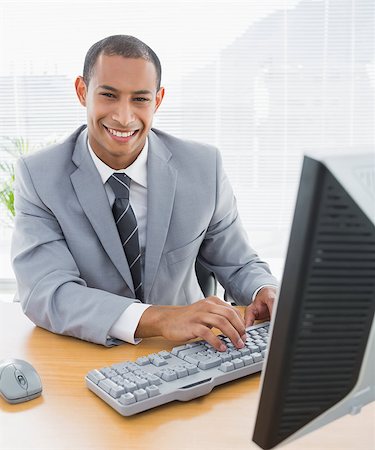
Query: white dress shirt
x=125, y=326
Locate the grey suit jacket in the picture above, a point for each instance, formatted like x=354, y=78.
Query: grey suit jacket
x=72, y=274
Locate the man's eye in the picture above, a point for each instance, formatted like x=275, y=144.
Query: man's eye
x=141, y=99
x=107, y=94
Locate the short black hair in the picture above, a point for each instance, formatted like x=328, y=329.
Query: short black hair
x=122, y=45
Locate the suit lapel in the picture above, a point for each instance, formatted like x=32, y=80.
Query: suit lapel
x=161, y=187
x=94, y=201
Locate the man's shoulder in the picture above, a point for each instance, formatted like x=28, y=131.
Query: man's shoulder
x=58, y=153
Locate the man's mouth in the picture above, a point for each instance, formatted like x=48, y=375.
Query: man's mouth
x=120, y=135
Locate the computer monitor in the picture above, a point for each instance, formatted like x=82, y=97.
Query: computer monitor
x=321, y=358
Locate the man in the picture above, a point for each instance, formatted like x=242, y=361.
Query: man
x=76, y=272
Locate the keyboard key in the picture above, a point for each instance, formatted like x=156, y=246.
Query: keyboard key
x=235, y=354
x=129, y=386
x=209, y=363
x=238, y=363
x=181, y=372
x=118, y=380
x=159, y=372
x=127, y=399
x=107, y=385
x=164, y=354
x=190, y=351
x=177, y=349
x=253, y=348
x=117, y=391
x=225, y=356
x=203, y=360
x=191, y=368
x=131, y=366
x=122, y=370
x=152, y=390
x=153, y=379
x=192, y=359
x=108, y=372
x=95, y=376
x=257, y=357
x=158, y=361
x=193, y=344
x=143, y=361
x=169, y=375
x=244, y=351
x=140, y=382
x=140, y=394
x=247, y=359
x=226, y=366
x=130, y=377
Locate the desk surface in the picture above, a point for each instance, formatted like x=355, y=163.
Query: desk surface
x=69, y=416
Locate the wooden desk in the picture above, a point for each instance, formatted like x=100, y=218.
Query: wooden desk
x=69, y=416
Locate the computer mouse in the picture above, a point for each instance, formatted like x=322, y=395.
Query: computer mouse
x=19, y=381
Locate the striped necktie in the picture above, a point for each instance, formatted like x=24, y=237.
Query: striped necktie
x=127, y=228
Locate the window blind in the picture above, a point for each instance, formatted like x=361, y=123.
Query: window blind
x=262, y=80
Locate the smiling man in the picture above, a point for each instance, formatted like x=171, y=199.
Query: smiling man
x=111, y=221
x=121, y=96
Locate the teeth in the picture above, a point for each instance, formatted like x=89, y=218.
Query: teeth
x=119, y=134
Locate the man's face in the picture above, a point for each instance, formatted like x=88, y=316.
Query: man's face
x=121, y=101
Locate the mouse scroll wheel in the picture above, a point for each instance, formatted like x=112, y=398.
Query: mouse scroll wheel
x=20, y=377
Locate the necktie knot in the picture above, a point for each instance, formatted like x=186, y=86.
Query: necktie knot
x=120, y=184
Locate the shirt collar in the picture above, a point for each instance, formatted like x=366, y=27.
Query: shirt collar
x=136, y=171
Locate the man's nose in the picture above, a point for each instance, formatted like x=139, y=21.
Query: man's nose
x=124, y=114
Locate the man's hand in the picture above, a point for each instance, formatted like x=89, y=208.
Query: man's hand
x=181, y=323
x=261, y=307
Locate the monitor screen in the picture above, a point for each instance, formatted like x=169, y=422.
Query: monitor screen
x=320, y=362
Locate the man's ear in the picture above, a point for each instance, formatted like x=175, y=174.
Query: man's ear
x=159, y=98
x=81, y=90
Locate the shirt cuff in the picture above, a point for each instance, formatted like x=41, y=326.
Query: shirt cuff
x=264, y=285
x=125, y=326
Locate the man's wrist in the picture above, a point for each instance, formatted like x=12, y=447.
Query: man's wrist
x=272, y=286
x=125, y=326
x=151, y=322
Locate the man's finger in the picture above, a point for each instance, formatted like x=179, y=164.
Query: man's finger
x=269, y=303
x=251, y=314
x=205, y=333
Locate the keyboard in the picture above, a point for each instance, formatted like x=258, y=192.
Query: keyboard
x=186, y=372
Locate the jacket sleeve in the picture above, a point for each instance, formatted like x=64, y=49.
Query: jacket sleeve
x=226, y=250
x=51, y=291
